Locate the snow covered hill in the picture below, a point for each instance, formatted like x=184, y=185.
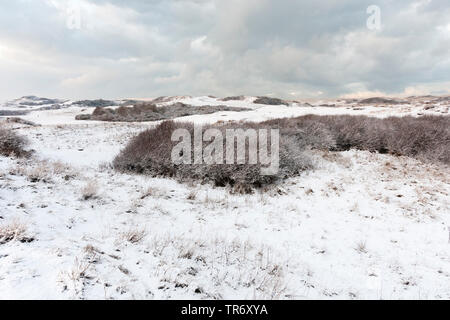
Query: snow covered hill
x=360, y=226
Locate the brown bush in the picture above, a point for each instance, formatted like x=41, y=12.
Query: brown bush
x=233, y=98
x=150, y=112
x=150, y=153
x=270, y=101
x=425, y=138
x=11, y=143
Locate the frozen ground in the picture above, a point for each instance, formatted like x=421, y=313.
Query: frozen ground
x=360, y=226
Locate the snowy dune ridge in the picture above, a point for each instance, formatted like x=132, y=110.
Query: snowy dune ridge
x=360, y=226
x=64, y=111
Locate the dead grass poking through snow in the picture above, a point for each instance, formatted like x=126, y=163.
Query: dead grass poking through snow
x=74, y=280
x=39, y=172
x=90, y=190
x=192, y=195
x=14, y=231
x=134, y=235
x=361, y=247
x=209, y=267
x=154, y=192
x=43, y=171
x=79, y=270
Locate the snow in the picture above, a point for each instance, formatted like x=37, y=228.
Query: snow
x=359, y=226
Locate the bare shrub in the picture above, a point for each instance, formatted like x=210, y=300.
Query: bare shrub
x=233, y=98
x=150, y=112
x=424, y=138
x=150, y=153
x=270, y=101
x=12, y=144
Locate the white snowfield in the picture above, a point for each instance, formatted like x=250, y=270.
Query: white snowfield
x=360, y=226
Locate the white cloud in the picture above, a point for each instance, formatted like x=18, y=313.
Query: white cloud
x=201, y=46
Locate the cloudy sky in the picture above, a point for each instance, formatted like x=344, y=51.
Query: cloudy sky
x=288, y=48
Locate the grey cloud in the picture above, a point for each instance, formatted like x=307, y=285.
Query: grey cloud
x=149, y=48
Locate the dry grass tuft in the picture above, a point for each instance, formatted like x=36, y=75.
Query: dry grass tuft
x=361, y=247
x=14, y=231
x=12, y=144
x=192, y=195
x=134, y=235
x=43, y=171
x=90, y=190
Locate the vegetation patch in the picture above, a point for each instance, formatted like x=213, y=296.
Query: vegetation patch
x=151, y=112
x=425, y=138
x=151, y=153
x=11, y=143
x=270, y=101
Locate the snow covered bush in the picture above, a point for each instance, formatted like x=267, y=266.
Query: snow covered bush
x=150, y=112
x=11, y=143
x=424, y=138
x=270, y=101
x=150, y=153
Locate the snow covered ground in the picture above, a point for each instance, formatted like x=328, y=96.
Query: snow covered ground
x=68, y=111
x=360, y=226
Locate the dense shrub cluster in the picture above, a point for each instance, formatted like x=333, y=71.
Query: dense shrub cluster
x=96, y=103
x=233, y=98
x=150, y=112
x=150, y=153
x=426, y=138
x=270, y=101
x=11, y=143
x=381, y=100
x=5, y=113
